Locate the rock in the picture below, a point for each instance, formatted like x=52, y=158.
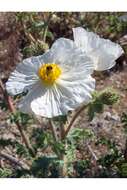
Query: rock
x=115, y=117
x=107, y=115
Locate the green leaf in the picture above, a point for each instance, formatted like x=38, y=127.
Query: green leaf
x=78, y=134
x=42, y=138
x=122, y=168
x=50, y=35
x=42, y=166
x=80, y=167
x=20, y=117
x=58, y=148
x=22, y=150
x=4, y=172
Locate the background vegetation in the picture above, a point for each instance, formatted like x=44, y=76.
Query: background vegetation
x=97, y=144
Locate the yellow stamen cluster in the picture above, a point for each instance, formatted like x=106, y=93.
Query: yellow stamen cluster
x=49, y=73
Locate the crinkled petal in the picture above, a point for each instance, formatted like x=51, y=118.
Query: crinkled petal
x=87, y=41
x=103, y=52
x=102, y=60
x=63, y=97
x=42, y=101
x=70, y=58
x=59, y=99
x=24, y=76
x=46, y=57
x=77, y=91
x=48, y=105
x=37, y=91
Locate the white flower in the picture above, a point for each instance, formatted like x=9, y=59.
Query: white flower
x=103, y=52
x=57, y=81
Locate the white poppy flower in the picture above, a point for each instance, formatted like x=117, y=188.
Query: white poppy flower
x=57, y=81
x=103, y=52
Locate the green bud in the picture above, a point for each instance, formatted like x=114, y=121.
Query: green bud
x=123, y=169
x=108, y=97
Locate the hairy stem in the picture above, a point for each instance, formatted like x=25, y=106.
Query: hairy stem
x=63, y=157
x=75, y=116
x=64, y=132
x=51, y=125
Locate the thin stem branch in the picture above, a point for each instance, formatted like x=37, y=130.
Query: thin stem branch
x=62, y=131
x=46, y=27
x=11, y=107
x=51, y=125
x=75, y=116
x=27, y=34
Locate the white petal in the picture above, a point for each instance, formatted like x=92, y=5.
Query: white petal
x=24, y=76
x=46, y=57
x=103, y=52
x=37, y=90
x=66, y=53
x=41, y=101
x=76, y=91
x=47, y=105
x=102, y=60
x=58, y=99
x=29, y=66
x=87, y=41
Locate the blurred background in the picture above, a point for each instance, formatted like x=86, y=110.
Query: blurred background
x=104, y=151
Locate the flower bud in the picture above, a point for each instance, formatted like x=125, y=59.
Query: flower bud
x=108, y=97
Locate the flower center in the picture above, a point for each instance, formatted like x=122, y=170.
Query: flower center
x=49, y=73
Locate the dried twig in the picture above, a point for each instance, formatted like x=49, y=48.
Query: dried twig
x=28, y=34
x=1, y=163
x=11, y=107
x=92, y=152
x=14, y=160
